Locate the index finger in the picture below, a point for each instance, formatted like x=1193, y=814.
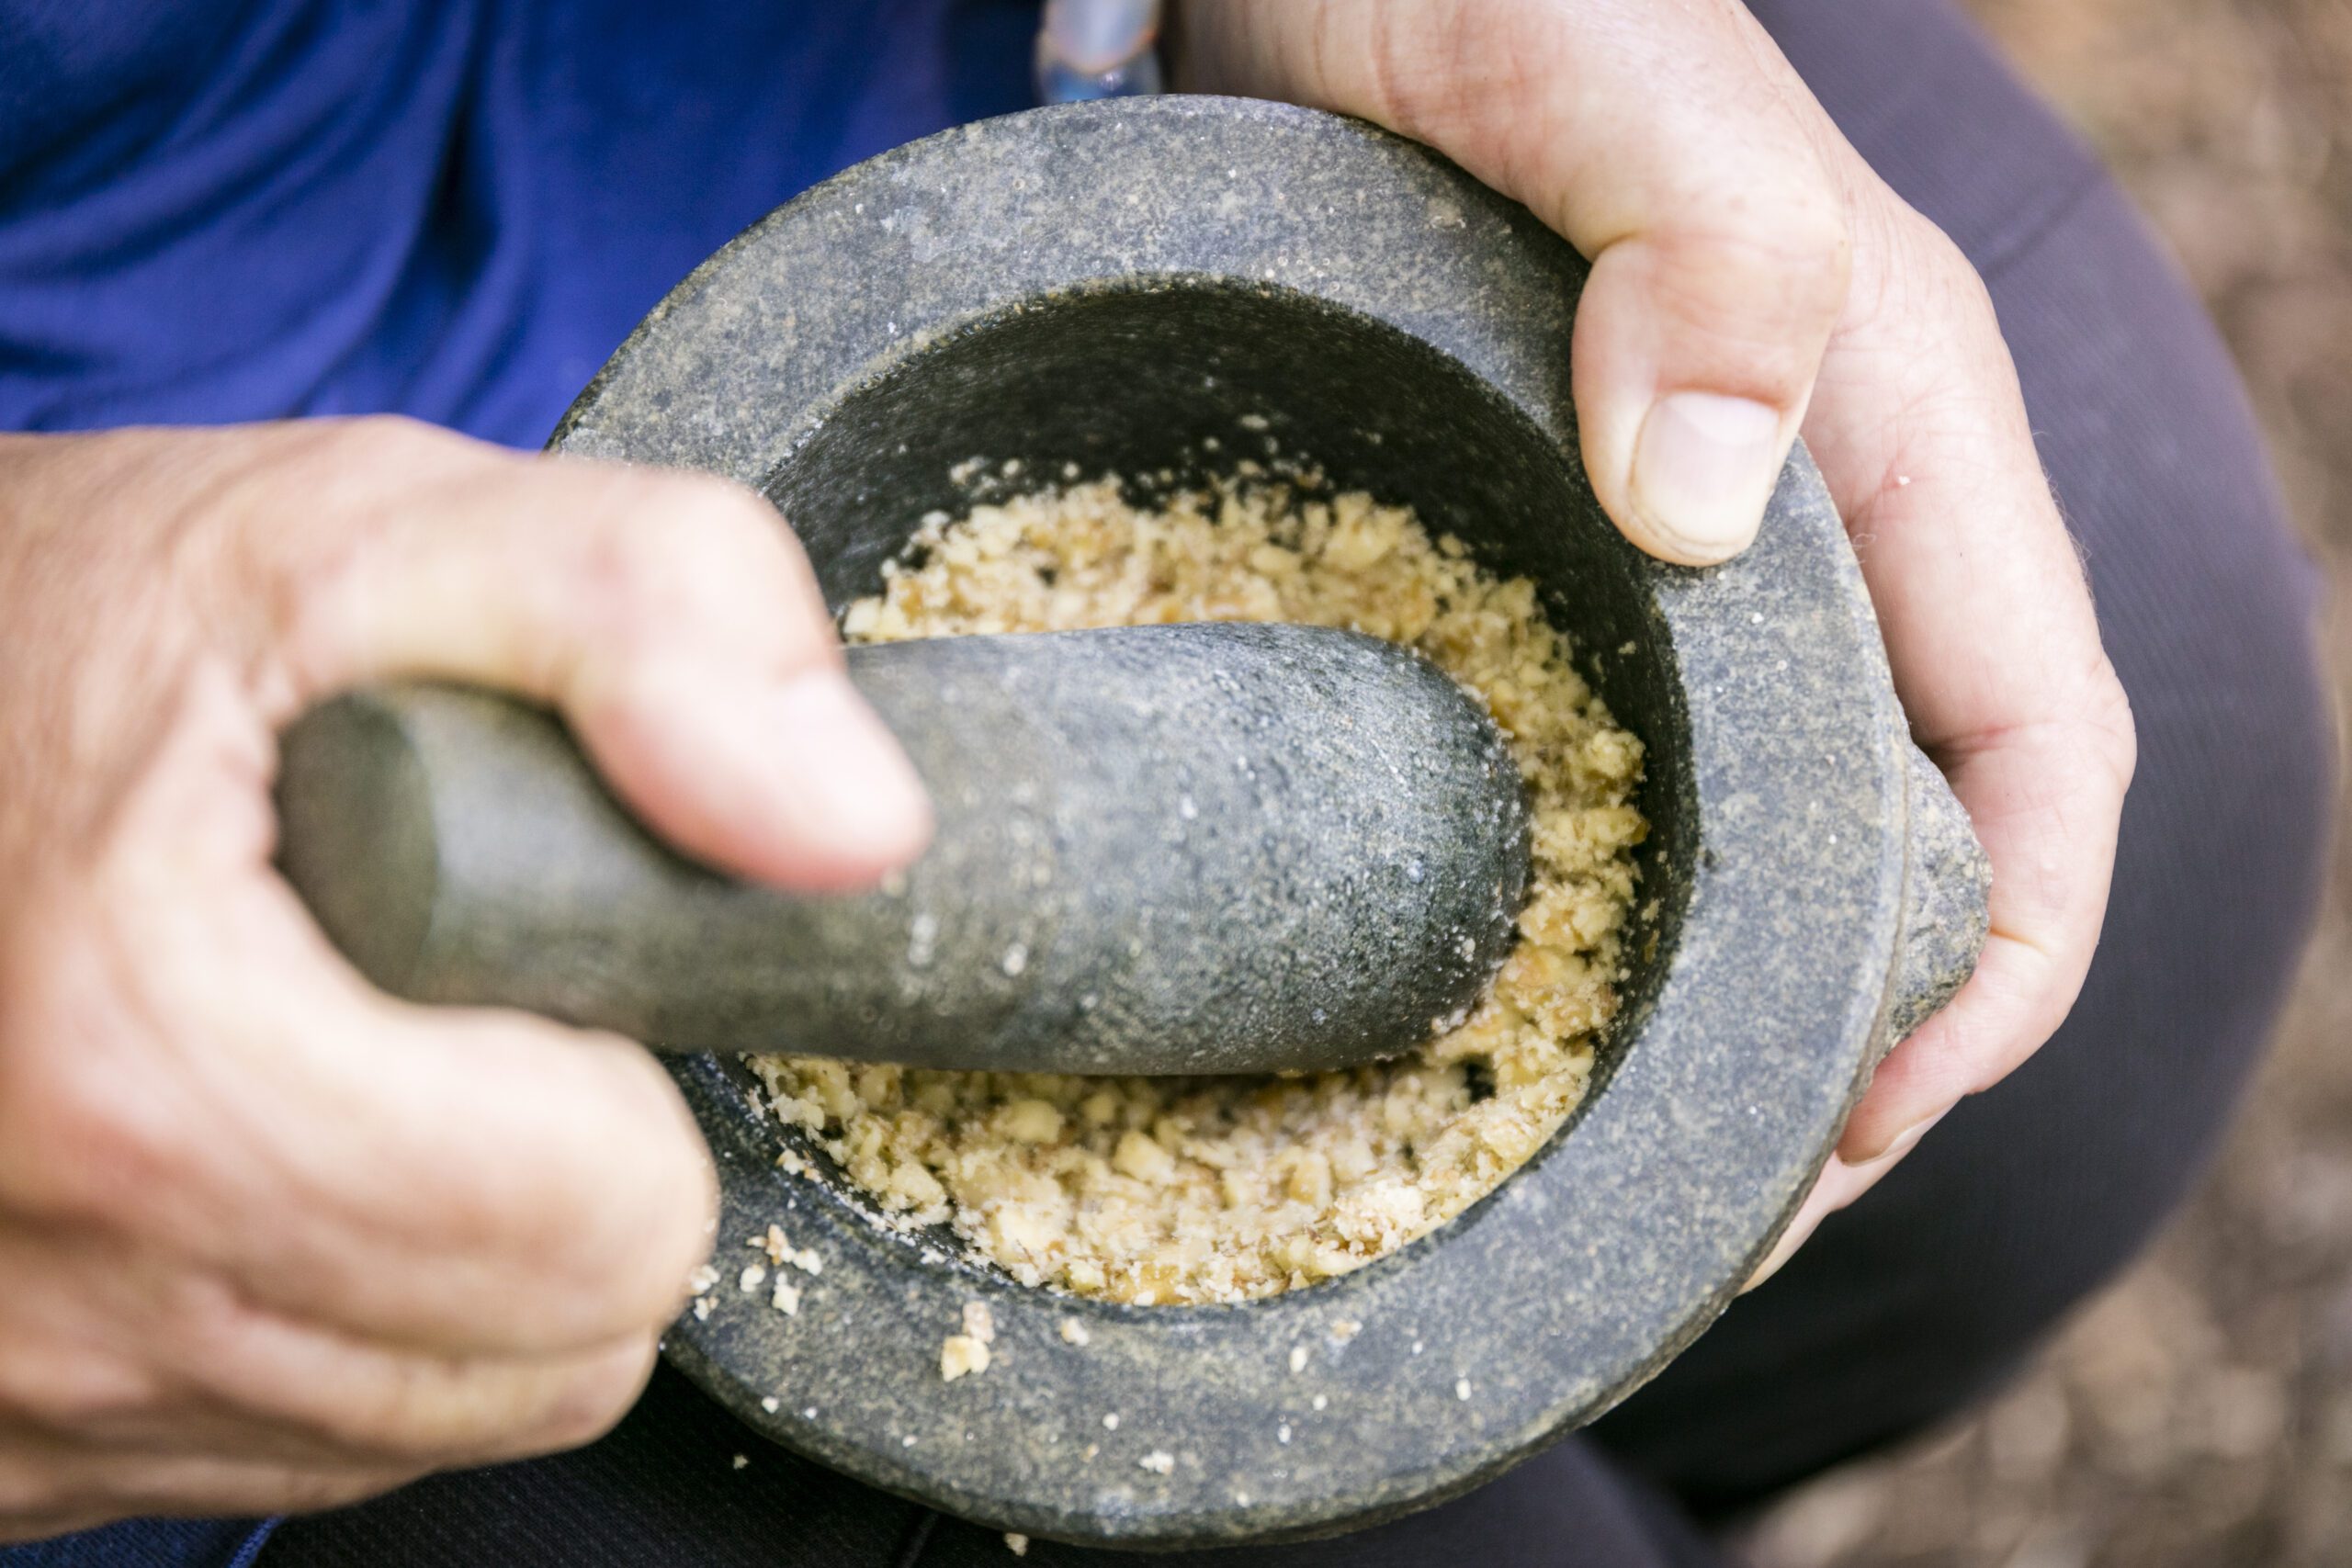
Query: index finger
x=672, y=616
x=1990, y=632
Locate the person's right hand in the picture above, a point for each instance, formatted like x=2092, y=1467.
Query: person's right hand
x=269, y=1239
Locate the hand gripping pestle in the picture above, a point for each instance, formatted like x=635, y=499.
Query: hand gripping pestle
x=1209, y=847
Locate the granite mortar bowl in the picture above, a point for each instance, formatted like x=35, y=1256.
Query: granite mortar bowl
x=1159, y=289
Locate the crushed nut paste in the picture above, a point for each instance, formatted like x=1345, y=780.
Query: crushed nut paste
x=1159, y=1190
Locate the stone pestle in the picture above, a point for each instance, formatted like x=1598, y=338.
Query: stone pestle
x=1207, y=848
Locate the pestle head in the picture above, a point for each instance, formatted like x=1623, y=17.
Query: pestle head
x=1209, y=848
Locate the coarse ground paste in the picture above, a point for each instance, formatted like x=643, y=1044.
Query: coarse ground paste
x=1215, y=1190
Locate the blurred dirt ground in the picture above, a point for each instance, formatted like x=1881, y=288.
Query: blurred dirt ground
x=2200, y=1412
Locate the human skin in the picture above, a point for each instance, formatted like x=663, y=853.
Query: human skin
x=1753, y=278
x=269, y=1238
x=263, y=1228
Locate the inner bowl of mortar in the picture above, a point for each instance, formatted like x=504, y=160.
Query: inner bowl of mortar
x=1170, y=384
x=1161, y=290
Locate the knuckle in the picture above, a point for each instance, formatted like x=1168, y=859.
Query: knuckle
x=1414, y=57
x=677, y=1244
x=1783, y=276
x=726, y=539
x=675, y=550
x=394, y=438
x=342, y=465
x=33, y=1499
x=717, y=515
x=308, y=1492
x=392, y=427
x=71, y=1149
x=1739, y=306
x=384, y=481
x=1801, y=226
x=2106, y=711
x=659, y=1208
x=621, y=1158
x=369, y=489
x=73, y=1391
x=409, y=1409
x=725, y=508
x=595, y=1401
x=1928, y=276
x=607, y=576
x=1960, y=288
x=67, y=1155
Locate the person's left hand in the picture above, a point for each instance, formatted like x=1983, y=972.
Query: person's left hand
x=1751, y=277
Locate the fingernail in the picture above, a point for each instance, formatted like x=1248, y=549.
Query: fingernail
x=1703, y=468
x=848, y=771
x=1782, y=1250
x=1903, y=1142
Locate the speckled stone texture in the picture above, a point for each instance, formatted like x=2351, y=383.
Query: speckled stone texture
x=1945, y=918
x=1195, y=849
x=1114, y=286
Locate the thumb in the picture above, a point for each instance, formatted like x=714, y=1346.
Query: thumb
x=1660, y=141
x=672, y=617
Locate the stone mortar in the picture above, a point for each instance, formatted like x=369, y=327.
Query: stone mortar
x=1156, y=288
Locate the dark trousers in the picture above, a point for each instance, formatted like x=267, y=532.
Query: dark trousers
x=1933, y=1288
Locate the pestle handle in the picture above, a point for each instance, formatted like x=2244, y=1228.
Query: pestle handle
x=1206, y=848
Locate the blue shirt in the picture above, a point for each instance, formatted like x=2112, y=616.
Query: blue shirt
x=213, y=212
